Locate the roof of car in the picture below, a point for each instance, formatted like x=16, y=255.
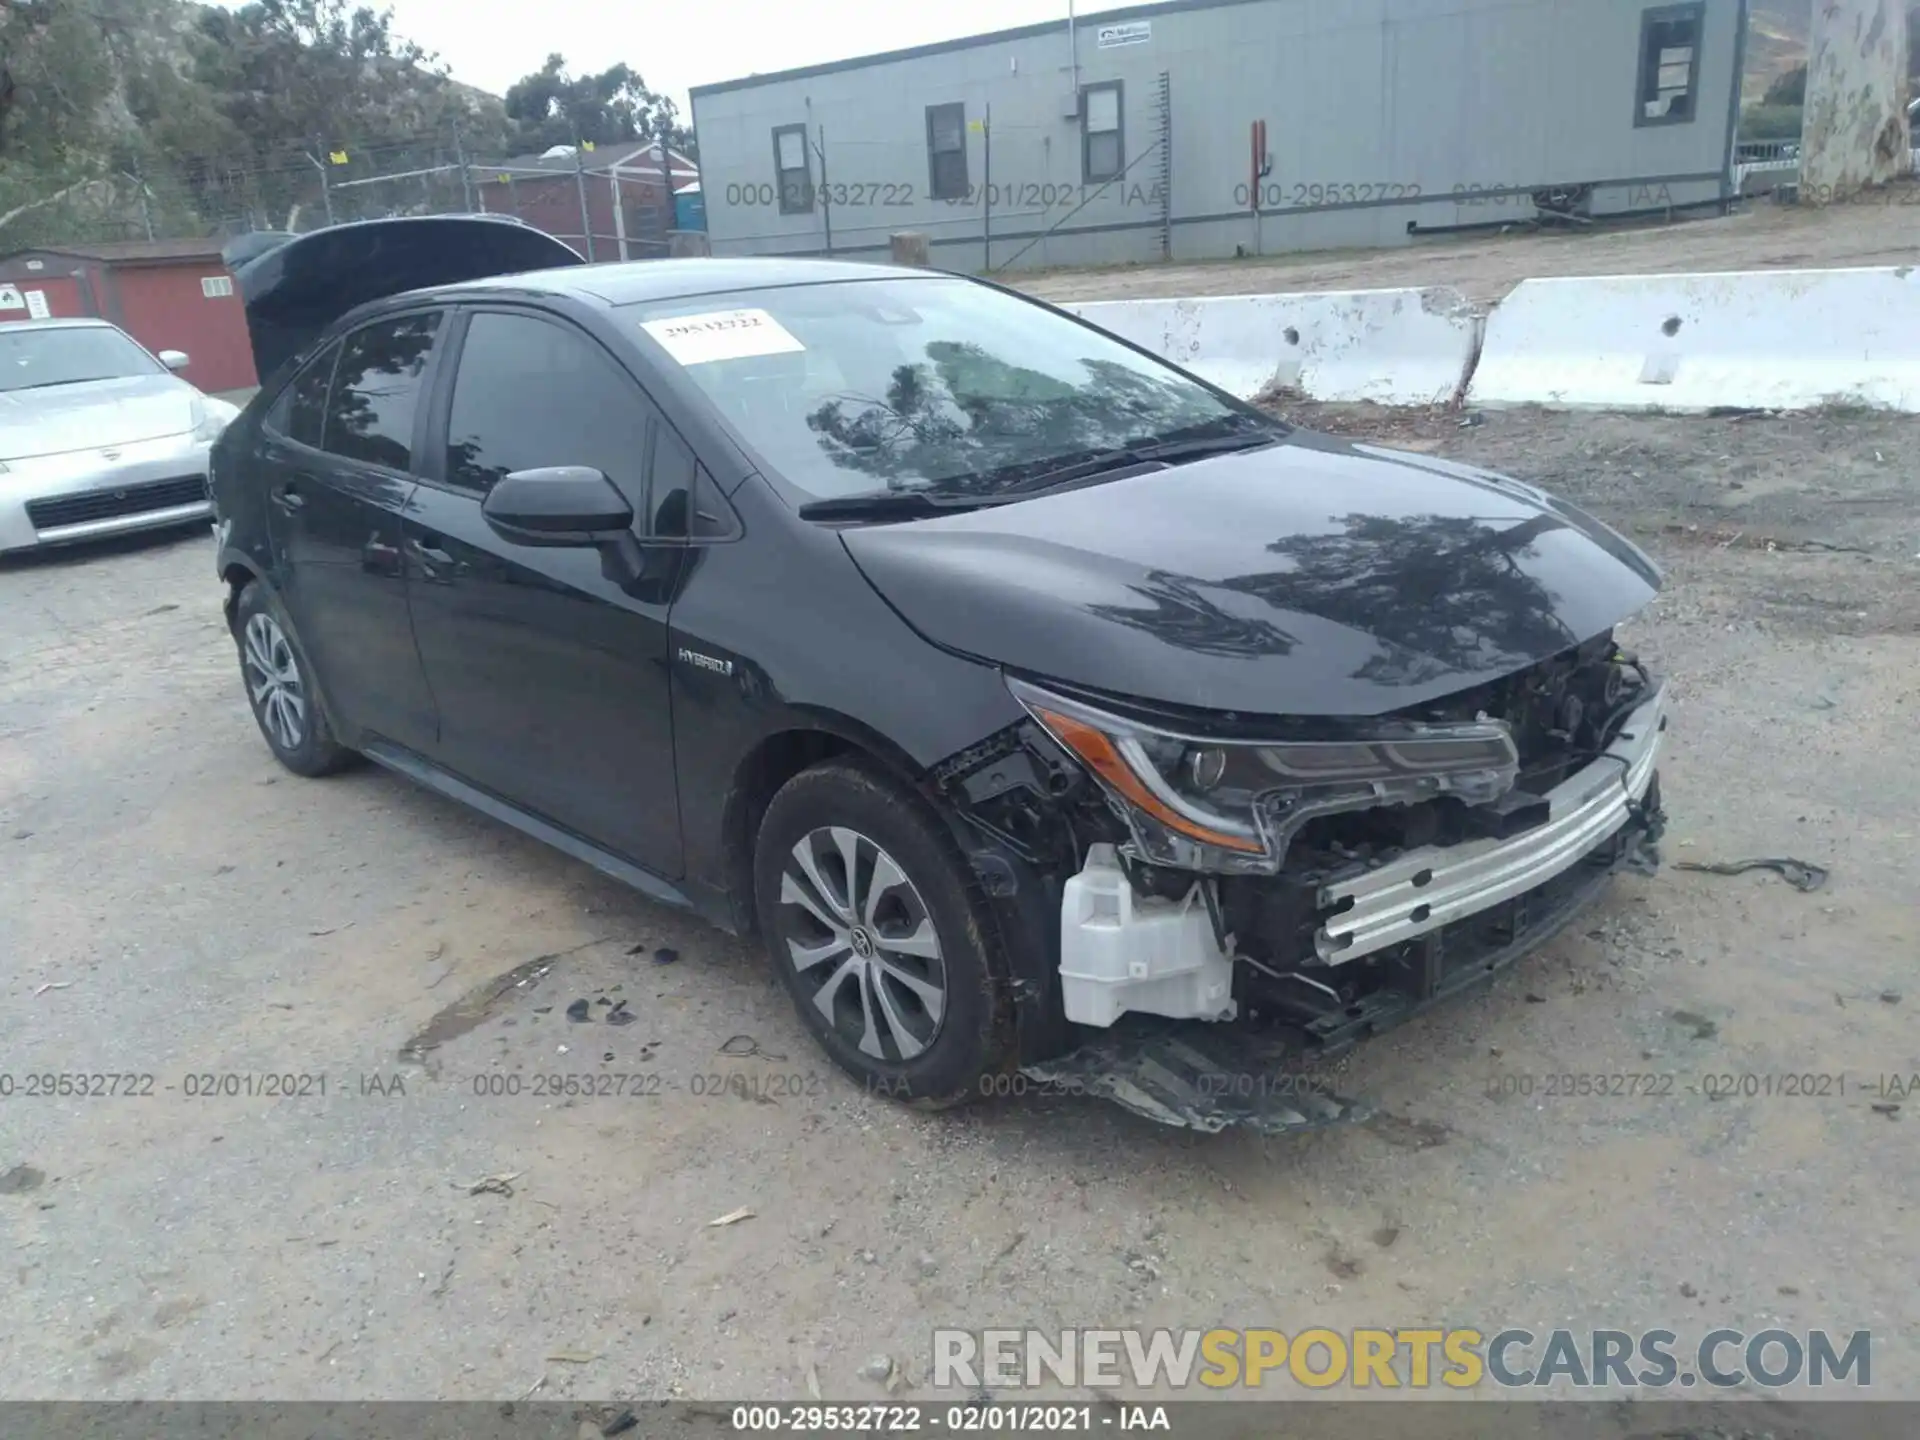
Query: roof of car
x=636, y=281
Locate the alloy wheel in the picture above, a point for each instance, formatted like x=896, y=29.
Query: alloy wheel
x=273, y=681
x=860, y=935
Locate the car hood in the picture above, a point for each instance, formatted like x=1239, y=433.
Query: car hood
x=1314, y=577
x=296, y=289
x=93, y=414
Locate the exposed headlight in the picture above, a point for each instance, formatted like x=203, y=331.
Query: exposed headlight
x=1203, y=803
x=211, y=416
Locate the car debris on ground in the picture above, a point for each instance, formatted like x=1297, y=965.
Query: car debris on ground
x=1801, y=874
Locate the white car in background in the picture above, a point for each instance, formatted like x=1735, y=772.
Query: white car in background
x=98, y=436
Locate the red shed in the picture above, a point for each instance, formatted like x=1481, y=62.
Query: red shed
x=167, y=294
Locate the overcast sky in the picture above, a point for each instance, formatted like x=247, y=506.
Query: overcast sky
x=492, y=43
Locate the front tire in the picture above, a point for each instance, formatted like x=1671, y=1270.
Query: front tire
x=871, y=919
x=280, y=690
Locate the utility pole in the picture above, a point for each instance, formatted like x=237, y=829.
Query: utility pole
x=326, y=195
x=580, y=184
x=619, y=211
x=466, y=171
x=826, y=205
x=146, y=206
x=670, y=218
x=986, y=188
x=1073, y=50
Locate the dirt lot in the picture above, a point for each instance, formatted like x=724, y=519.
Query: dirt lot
x=1876, y=229
x=175, y=906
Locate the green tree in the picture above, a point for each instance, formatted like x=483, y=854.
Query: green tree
x=1770, y=122
x=1788, y=88
x=553, y=107
x=326, y=88
x=57, y=124
x=120, y=118
x=316, y=72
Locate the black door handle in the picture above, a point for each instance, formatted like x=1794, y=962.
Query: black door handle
x=288, y=498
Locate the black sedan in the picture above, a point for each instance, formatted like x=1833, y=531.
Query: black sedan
x=1040, y=706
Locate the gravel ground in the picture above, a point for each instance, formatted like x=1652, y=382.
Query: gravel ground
x=1875, y=229
x=175, y=906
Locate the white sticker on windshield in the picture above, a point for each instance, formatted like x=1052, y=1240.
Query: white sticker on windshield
x=722, y=335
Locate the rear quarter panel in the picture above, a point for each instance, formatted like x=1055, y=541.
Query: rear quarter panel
x=239, y=497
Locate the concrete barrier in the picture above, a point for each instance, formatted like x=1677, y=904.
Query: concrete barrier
x=1394, y=347
x=1763, y=339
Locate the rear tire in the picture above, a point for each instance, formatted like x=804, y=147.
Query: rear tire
x=280, y=689
x=873, y=922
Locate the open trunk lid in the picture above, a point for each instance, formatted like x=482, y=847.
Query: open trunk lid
x=296, y=289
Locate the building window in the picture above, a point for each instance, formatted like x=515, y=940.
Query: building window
x=216, y=287
x=1669, y=65
x=947, y=151
x=1102, y=155
x=792, y=170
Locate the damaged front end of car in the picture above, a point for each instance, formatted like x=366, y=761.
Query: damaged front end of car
x=1239, y=900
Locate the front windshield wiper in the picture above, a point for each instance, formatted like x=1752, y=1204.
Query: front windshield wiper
x=1178, y=450
x=869, y=504
x=904, y=503
x=1127, y=457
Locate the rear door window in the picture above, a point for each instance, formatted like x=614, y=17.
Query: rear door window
x=377, y=390
x=300, y=411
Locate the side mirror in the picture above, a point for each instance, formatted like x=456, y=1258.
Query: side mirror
x=173, y=359
x=570, y=505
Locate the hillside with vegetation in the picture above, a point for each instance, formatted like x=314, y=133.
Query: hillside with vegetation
x=1775, y=84
x=1777, y=32
x=126, y=118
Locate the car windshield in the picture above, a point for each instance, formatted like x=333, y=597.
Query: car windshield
x=936, y=385
x=38, y=356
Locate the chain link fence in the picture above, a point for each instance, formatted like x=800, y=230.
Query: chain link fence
x=607, y=202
